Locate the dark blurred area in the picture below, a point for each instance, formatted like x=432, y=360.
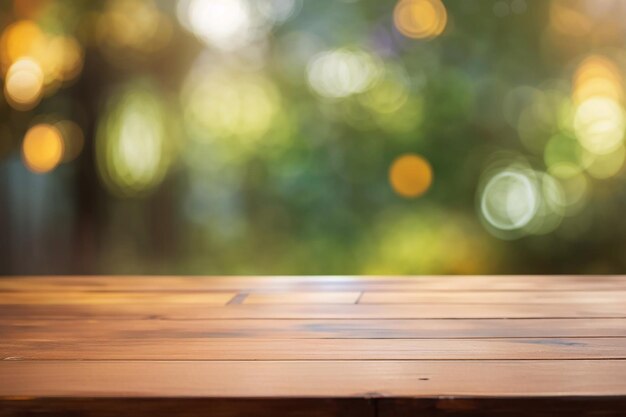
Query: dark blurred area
x=312, y=137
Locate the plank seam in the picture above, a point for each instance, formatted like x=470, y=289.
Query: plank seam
x=358, y=299
x=238, y=298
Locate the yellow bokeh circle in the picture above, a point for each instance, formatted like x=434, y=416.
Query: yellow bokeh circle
x=420, y=19
x=410, y=175
x=42, y=149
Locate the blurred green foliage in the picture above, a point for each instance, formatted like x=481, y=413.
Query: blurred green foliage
x=257, y=138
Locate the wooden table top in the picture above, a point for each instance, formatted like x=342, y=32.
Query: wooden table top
x=323, y=340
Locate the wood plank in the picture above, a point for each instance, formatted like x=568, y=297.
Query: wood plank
x=43, y=329
x=303, y=298
x=71, y=298
x=493, y=297
x=289, y=379
x=327, y=297
x=317, y=283
x=316, y=311
x=314, y=349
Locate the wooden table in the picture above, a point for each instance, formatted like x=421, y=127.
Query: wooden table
x=313, y=346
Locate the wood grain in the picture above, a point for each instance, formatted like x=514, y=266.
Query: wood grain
x=303, y=298
x=493, y=297
x=313, y=346
x=72, y=298
x=318, y=349
x=77, y=329
x=335, y=379
x=315, y=311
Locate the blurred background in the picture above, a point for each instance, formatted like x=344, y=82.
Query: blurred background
x=312, y=137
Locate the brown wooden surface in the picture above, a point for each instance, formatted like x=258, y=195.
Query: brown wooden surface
x=197, y=348
x=279, y=378
x=371, y=346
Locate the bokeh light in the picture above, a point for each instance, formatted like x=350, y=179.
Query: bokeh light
x=67, y=56
x=389, y=93
x=42, y=148
x=229, y=25
x=605, y=166
x=342, y=72
x=599, y=120
x=516, y=200
x=597, y=76
x=599, y=124
x=227, y=106
x=36, y=63
x=410, y=175
x=224, y=24
x=20, y=39
x=420, y=19
x=563, y=156
x=510, y=199
x=23, y=85
x=211, y=131
x=132, y=144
